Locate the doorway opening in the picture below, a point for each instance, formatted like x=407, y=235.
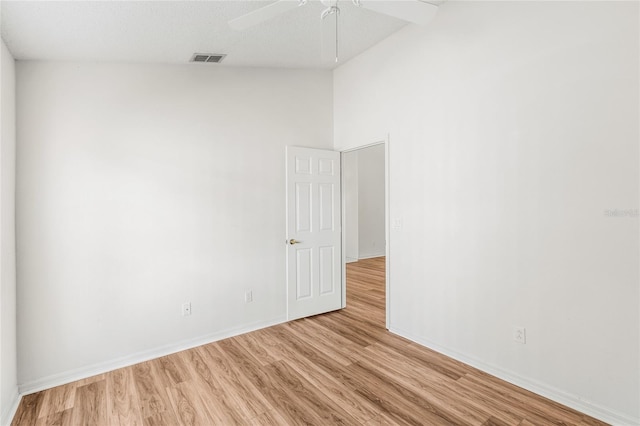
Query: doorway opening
x=365, y=230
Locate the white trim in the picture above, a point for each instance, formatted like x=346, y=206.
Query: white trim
x=104, y=367
x=570, y=400
x=387, y=250
x=372, y=256
x=368, y=145
x=343, y=238
x=10, y=413
x=387, y=233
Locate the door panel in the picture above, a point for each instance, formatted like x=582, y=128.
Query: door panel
x=314, y=274
x=327, y=260
x=327, y=215
x=303, y=274
x=303, y=207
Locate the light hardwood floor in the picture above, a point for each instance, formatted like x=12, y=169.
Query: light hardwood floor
x=338, y=368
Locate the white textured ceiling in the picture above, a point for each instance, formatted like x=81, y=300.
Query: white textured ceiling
x=171, y=31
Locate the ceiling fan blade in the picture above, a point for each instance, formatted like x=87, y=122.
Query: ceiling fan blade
x=415, y=11
x=263, y=14
x=329, y=39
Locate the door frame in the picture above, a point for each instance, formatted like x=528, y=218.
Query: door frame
x=387, y=246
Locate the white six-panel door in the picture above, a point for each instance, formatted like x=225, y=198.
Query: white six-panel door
x=314, y=259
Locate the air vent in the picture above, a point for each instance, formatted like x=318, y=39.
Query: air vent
x=207, y=57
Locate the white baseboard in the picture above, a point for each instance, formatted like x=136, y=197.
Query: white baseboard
x=371, y=256
x=136, y=358
x=573, y=401
x=9, y=413
x=350, y=260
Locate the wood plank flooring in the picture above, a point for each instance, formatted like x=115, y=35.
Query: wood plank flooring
x=338, y=368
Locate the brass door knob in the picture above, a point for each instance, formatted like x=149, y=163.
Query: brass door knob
x=292, y=241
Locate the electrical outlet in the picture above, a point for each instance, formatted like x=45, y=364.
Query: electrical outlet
x=248, y=296
x=186, y=309
x=520, y=335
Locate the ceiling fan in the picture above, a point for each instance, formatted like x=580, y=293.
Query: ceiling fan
x=415, y=11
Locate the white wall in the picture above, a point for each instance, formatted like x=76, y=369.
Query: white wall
x=350, y=187
x=371, y=229
x=8, y=360
x=143, y=187
x=513, y=128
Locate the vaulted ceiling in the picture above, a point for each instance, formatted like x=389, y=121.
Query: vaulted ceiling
x=172, y=31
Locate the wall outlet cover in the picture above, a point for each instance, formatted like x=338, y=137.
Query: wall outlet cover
x=520, y=334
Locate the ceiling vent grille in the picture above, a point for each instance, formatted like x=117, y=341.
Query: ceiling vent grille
x=207, y=57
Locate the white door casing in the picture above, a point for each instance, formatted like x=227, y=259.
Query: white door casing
x=314, y=258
